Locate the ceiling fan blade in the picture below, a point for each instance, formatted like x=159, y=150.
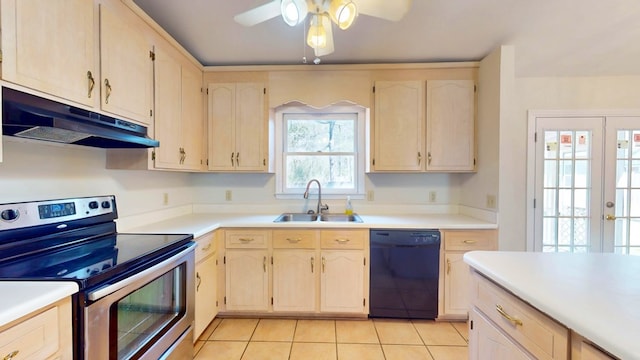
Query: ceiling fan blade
x=259, y=14
x=328, y=49
x=384, y=9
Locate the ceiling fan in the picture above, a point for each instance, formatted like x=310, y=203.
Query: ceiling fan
x=323, y=12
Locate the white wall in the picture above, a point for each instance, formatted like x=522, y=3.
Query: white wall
x=34, y=170
x=388, y=189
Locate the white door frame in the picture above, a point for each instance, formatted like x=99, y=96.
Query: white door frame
x=531, y=154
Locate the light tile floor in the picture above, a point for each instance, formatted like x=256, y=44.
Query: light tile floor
x=390, y=339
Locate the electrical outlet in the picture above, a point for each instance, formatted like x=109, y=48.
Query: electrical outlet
x=491, y=201
x=165, y=199
x=432, y=196
x=227, y=195
x=370, y=195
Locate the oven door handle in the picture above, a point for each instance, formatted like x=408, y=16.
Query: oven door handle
x=109, y=289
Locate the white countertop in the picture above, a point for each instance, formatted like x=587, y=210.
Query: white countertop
x=199, y=224
x=595, y=295
x=20, y=298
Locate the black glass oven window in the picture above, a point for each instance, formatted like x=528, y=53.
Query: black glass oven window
x=139, y=319
x=56, y=210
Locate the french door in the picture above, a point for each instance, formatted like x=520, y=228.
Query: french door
x=587, y=184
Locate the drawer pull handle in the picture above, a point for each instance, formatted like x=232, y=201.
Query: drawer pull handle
x=294, y=241
x=470, y=241
x=343, y=241
x=206, y=248
x=11, y=355
x=504, y=314
x=247, y=239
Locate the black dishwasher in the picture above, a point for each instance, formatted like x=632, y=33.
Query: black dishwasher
x=404, y=273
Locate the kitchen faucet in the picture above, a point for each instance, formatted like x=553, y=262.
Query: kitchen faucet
x=320, y=207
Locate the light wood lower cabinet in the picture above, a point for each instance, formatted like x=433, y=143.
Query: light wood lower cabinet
x=206, y=306
x=487, y=342
x=342, y=282
x=294, y=280
x=498, y=316
x=454, y=289
x=582, y=349
x=45, y=334
x=305, y=271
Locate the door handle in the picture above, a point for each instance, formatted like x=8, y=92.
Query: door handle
x=610, y=217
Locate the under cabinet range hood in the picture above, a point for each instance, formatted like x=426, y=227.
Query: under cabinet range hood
x=28, y=116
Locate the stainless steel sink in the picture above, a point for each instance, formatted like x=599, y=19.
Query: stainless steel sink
x=340, y=218
x=287, y=217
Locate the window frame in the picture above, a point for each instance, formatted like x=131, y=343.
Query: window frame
x=360, y=146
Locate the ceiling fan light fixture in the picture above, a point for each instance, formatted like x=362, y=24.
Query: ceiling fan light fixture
x=317, y=36
x=343, y=13
x=293, y=11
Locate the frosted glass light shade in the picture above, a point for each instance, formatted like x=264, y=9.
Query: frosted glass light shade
x=343, y=13
x=317, y=37
x=293, y=11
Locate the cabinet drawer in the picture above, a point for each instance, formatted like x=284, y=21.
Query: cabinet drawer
x=343, y=239
x=34, y=338
x=467, y=240
x=539, y=334
x=254, y=239
x=206, y=246
x=294, y=239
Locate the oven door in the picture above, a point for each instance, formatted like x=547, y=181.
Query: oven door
x=148, y=315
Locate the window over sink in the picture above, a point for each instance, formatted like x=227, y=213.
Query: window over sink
x=326, y=144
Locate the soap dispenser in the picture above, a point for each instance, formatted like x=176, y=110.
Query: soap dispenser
x=348, y=209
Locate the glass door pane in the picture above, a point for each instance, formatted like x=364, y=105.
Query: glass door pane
x=568, y=184
x=622, y=185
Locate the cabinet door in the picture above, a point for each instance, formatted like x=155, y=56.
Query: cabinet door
x=247, y=280
x=456, y=284
x=294, y=280
x=450, y=125
x=192, y=117
x=250, y=125
x=221, y=118
x=342, y=281
x=206, y=283
x=49, y=46
x=487, y=342
x=126, y=64
x=168, y=121
x=398, y=126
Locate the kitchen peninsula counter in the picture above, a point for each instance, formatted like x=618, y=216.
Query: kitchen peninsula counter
x=594, y=295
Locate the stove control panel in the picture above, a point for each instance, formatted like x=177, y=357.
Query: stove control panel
x=34, y=213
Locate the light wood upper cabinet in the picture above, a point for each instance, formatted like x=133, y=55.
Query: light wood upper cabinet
x=414, y=132
x=398, y=126
x=126, y=63
x=450, y=119
x=50, y=46
x=178, y=112
x=237, y=127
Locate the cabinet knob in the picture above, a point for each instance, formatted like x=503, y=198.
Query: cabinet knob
x=92, y=83
x=11, y=355
x=107, y=87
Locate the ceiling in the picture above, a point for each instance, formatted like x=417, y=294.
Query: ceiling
x=550, y=37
